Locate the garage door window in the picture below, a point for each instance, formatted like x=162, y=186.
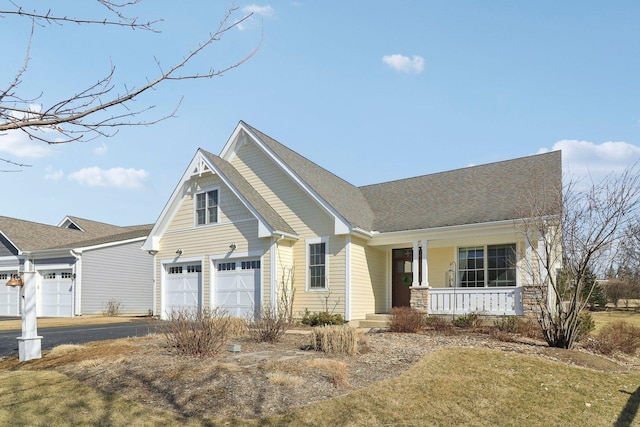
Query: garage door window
x=49, y=276
x=175, y=270
x=250, y=265
x=226, y=266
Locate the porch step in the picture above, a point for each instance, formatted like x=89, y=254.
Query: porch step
x=375, y=321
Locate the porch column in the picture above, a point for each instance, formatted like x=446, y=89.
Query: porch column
x=425, y=263
x=528, y=261
x=414, y=266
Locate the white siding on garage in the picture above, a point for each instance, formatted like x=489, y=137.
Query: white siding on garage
x=9, y=296
x=123, y=273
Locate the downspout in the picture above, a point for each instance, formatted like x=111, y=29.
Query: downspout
x=77, y=282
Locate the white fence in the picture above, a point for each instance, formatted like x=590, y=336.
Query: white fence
x=488, y=301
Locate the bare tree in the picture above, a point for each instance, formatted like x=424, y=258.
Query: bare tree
x=99, y=109
x=582, y=238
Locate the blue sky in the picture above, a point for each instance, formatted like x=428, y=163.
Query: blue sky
x=372, y=91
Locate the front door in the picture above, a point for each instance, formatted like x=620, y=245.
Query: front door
x=401, y=277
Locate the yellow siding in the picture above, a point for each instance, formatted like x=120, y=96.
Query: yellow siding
x=230, y=207
x=368, y=280
x=306, y=217
x=439, y=263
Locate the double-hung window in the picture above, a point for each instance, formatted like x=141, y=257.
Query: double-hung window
x=487, y=266
x=207, y=207
x=317, y=273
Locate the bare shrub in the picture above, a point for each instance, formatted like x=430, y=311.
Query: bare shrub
x=198, y=333
x=439, y=324
x=334, y=339
x=337, y=370
x=112, y=308
x=274, y=320
x=406, y=319
x=508, y=324
x=616, y=337
x=238, y=327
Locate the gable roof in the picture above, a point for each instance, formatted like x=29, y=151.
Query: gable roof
x=264, y=209
x=492, y=192
x=28, y=236
x=345, y=198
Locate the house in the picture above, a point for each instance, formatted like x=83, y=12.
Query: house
x=241, y=225
x=80, y=265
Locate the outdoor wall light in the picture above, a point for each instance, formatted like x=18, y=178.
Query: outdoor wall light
x=179, y=252
x=15, y=281
x=232, y=246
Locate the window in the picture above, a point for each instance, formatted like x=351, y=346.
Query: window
x=250, y=265
x=487, y=266
x=317, y=265
x=227, y=266
x=207, y=207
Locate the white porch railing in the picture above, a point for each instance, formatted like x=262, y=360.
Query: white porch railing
x=488, y=301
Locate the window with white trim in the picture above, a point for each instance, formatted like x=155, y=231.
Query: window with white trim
x=487, y=266
x=207, y=207
x=317, y=273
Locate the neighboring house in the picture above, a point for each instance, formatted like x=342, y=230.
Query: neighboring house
x=80, y=266
x=241, y=225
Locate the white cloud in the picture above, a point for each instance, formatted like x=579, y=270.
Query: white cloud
x=404, y=64
x=53, y=175
x=264, y=11
x=587, y=160
x=259, y=10
x=18, y=144
x=101, y=149
x=114, y=177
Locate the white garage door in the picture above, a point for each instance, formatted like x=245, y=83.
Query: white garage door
x=56, y=293
x=9, y=296
x=183, y=288
x=237, y=286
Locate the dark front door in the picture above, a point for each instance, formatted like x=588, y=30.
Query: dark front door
x=401, y=277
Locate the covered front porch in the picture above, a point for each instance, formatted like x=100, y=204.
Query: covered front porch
x=461, y=270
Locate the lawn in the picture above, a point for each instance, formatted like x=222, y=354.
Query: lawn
x=605, y=317
x=451, y=385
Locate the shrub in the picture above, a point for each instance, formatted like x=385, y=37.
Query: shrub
x=406, y=319
x=509, y=324
x=271, y=325
x=469, y=320
x=438, y=324
x=196, y=332
x=334, y=339
x=321, y=318
x=586, y=325
x=112, y=308
x=616, y=337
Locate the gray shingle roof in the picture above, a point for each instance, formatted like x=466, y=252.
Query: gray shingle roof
x=264, y=209
x=491, y=192
x=34, y=236
x=343, y=197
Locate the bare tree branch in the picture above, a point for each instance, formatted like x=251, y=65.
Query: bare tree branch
x=98, y=110
x=580, y=241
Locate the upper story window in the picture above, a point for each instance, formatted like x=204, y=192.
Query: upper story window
x=207, y=207
x=487, y=266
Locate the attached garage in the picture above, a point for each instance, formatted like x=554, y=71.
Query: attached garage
x=183, y=287
x=56, y=293
x=237, y=286
x=9, y=296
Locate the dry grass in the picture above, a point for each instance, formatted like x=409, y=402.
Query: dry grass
x=336, y=370
x=334, y=339
x=63, y=349
x=603, y=318
x=284, y=379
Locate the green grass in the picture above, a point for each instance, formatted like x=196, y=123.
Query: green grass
x=456, y=386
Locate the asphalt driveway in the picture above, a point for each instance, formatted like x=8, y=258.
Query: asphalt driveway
x=79, y=334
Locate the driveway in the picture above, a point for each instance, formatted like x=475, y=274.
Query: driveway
x=79, y=334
